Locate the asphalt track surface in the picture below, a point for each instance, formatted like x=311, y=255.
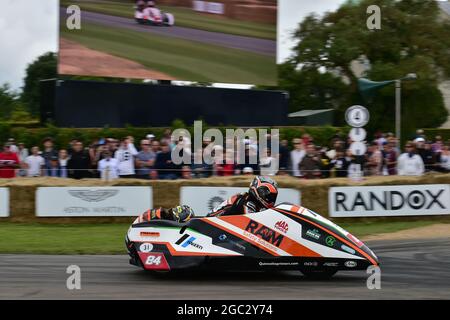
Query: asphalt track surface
x=416, y=269
x=254, y=45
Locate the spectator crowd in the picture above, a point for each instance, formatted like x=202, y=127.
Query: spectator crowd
x=109, y=158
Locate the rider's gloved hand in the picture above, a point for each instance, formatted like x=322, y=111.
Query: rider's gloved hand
x=182, y=213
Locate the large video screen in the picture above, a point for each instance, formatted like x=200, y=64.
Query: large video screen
x=221, y=41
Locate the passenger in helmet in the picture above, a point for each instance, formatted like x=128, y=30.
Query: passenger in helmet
x=179, y=214
x=262, y=195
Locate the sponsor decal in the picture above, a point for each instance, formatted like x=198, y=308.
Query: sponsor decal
x=278, y=263
x=311, y=263
x=399, y=200
x=93, y=195
x=331, y=264
x=282, y=226
x=355, y=240
x=330, y=241
x=264, y=233
x=223, y=237
x=154, y=261
x=146, y=247
x=187, y=240
x=350, y=264
x=314, y=233
x=149, y=234
x=348, y=249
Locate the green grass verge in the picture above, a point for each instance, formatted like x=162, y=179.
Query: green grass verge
x=185, y=17
x=109, y=238
x=181, y=59
x=63, y=238
x=361, y=229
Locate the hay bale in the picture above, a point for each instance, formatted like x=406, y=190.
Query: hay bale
x=167, y=193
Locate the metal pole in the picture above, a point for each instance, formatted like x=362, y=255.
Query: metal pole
x=398, y=107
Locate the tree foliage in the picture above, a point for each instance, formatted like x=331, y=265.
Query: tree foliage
x=44, y=67
x=413, y=38
x=9, y=102
x=311, y=89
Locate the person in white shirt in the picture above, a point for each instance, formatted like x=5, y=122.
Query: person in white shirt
x=268, y=165
x=297, y=156
x=125, y=155
x=63, y=159
x=108, y=167
x=131, y=146
x=23, y=154
x=410, y=163
x=34, y=163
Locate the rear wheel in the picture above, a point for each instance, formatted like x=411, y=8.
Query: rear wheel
x=319, y=274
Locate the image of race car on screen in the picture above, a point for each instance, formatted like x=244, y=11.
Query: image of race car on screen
x=147, y=13
x=285, y=237
x=202, y=41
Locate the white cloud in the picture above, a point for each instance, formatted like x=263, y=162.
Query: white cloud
x=291, y=13
x=28, y=29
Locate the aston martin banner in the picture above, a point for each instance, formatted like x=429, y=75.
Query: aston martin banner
x=92, y=201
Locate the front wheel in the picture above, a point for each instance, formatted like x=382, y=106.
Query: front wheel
x=318, y=274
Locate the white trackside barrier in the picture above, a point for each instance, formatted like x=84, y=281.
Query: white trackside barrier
x=385, y=201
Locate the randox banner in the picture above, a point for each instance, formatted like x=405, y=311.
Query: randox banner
x=4, y=202
x=204, y=199
x=93, y=201
x=380, y=201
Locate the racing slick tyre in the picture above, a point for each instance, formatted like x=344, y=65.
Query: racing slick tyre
x=318, y=274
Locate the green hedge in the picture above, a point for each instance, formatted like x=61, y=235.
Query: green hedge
x=62, y=136
x=30, y=134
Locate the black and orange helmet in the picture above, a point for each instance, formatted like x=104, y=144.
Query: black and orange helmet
x=264, y=191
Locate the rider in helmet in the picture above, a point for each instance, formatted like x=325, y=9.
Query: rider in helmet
x=141, y=5
x=262, y=195
x=179, y=214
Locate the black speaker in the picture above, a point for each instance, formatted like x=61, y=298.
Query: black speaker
x=47, y=100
